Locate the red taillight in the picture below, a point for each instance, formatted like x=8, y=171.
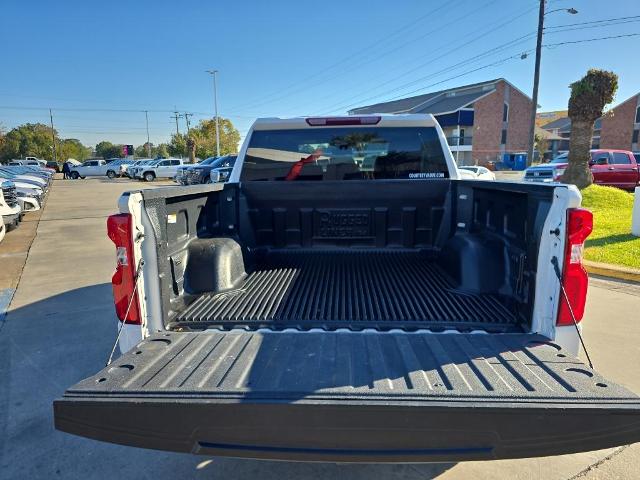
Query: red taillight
x=574, y=277
x=120, y=232
x=338, y=121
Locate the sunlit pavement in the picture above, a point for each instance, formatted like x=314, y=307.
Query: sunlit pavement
x=61, y=326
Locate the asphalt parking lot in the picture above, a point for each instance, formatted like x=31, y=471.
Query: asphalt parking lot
x=60, y=328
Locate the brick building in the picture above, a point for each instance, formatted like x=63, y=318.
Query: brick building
x=618, y=129
x=482, y=121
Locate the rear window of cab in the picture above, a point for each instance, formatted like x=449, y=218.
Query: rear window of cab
x=354, y=153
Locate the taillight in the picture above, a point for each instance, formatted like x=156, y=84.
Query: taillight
x=338, y=121
x=123, y=281
x=574, y=277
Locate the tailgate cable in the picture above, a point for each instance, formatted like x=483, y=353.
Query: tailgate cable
x=556, y=268
x=133, y=296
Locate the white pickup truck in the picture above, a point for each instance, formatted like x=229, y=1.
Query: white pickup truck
x=345, y=297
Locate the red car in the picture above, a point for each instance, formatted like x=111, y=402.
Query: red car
x=614, y=168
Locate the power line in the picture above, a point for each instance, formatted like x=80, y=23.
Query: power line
x=585, y=40
x=378, y=56
x=401, y=30
x=453, y=50
x=446, y=69
x=593, y=21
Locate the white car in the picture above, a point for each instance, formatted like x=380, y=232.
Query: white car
x=480, y=173
x=9, y=205
x=166, y=168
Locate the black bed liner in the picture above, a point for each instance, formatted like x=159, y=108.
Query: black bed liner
x=349, y=289
x=351, y=396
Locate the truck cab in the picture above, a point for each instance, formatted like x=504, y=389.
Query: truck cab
x=346, y=297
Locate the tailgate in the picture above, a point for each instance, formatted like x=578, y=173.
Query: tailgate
x=351, y=396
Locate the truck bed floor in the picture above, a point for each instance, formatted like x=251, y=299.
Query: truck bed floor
x=356, y=290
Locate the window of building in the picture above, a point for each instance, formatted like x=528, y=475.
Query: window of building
x=620, y=158
x=503, y=137
x=505, y=112
x=638, y=114
x=634, y=138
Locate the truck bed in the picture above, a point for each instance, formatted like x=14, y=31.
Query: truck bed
x=349, y=289
x=351, y=396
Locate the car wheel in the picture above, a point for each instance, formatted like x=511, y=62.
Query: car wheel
x=83, y=177
x=111, y=174
x=75, y=175
x=209, y=179
x=149, y=177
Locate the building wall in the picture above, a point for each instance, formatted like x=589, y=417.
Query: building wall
x=488, y=124
x=617, y=129
x=519, y=121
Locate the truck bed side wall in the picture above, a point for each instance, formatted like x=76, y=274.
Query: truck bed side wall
x=485, y=235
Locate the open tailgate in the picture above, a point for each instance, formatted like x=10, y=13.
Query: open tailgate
x=351, y=396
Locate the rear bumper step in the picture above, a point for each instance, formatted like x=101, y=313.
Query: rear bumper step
x=351, y=397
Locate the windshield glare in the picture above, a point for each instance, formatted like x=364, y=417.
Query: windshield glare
x=338, y=153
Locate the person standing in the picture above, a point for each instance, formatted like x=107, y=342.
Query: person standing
x=66, y=170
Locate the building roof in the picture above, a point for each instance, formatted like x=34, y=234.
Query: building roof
x=564, y=125
x=547, y=135
x=442, y=101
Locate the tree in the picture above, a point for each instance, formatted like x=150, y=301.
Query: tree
x=72, y=148
x=109, y=150
x=203, y=138
x=541, y=144
x=30, y=139
x=589, y=96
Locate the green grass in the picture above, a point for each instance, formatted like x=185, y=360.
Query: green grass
x=611, y=240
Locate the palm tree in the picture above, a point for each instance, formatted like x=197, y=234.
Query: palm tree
x=589, y=96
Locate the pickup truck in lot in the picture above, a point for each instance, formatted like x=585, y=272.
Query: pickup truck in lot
x=613, y=168
x=345, y=297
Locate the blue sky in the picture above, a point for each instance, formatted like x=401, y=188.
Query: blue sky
x=89, y=60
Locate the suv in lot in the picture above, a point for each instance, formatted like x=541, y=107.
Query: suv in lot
x=614, y=168
x=217, y=170
x=165, y=168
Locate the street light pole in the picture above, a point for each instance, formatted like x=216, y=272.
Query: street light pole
x=536, y=75
x=215, y=105
x=146, y=116
x=53, y=136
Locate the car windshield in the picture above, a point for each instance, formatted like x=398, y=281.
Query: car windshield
x=338, y=153
x=562, y=158
x=208, y=161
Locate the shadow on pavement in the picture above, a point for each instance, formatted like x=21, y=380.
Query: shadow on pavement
x=51, y=344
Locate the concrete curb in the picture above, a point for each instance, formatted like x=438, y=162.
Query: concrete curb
x=612, y=271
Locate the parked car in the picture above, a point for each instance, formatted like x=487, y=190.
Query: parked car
x=126, y=169
x=318, y=307
x=165, y=168
x=53, y=166
x=32, y=161
x=481, y=173
x=113, y=169
x=217, y=170
x=24, y=180
x=9, y=206
x=614, y=168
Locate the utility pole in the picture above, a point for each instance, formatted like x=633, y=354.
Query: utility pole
x=186, y=118
x=53, y=136
x=215, y=105
x=146, y=116
x=176, y=116
x=536, y=81
x=536, y=75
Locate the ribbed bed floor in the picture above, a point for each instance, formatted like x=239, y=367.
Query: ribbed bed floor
x=349, y=290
